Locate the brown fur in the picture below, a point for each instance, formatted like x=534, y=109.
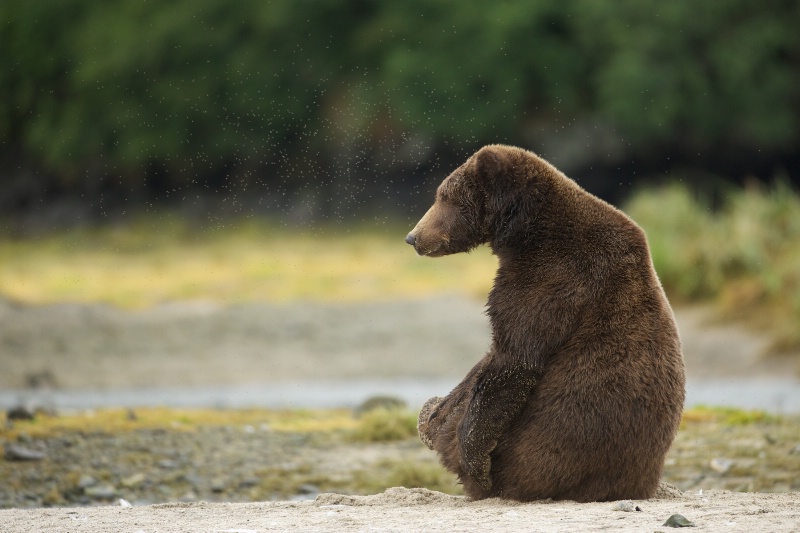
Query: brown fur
x=580, y=394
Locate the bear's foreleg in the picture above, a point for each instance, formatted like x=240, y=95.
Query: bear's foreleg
x=439, y=419
x=439, y=411
x=497, y=399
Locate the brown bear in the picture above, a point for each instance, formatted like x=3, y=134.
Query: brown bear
x=581, y=392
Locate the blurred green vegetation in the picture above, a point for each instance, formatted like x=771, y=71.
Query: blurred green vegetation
x=740, y=250
x=339, y=103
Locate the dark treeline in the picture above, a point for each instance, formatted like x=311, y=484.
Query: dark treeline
x=314, y=110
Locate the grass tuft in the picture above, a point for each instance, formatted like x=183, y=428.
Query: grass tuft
x=727, y=416
x=393, y=473
x=382, y=425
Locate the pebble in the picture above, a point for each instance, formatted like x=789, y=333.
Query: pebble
x=217, y=485
x=678, y=520
x=626, y=506
x=15, y=452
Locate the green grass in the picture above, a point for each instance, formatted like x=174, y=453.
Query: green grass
x=742, y=254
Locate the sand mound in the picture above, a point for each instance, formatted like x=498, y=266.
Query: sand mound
x=395, y=496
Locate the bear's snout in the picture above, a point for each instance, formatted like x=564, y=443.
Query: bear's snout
x=411, y=239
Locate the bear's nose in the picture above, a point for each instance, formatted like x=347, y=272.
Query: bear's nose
x=410, y=239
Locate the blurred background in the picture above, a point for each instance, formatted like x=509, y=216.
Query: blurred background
x=219, y=179
x=311, y=112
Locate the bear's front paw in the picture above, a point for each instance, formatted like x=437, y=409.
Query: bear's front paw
x=423, y=422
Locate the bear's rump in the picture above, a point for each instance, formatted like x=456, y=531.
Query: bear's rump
x=578, y=438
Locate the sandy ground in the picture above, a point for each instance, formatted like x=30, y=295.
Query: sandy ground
x=400, y=509
x=201, y=344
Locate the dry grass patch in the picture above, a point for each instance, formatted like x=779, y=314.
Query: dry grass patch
x=158, y=260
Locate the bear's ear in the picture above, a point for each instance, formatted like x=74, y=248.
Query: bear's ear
x=494, y=169
x=490, y=161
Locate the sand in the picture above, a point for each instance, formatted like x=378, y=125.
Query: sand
x=400, y=509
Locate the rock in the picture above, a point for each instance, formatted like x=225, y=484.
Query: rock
x=217, y=485
x=678, y=520
x=250, y=481
x=15, y=452
x=626, y=506
x=720, y=464
x=21, y=412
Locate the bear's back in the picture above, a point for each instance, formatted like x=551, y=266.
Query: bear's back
x=610, y=398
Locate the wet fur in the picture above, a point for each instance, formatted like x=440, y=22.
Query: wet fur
x=580, y=394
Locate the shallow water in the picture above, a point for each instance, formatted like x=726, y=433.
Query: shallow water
x=774, y=395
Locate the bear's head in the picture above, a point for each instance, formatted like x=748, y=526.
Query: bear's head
x=482, y=201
